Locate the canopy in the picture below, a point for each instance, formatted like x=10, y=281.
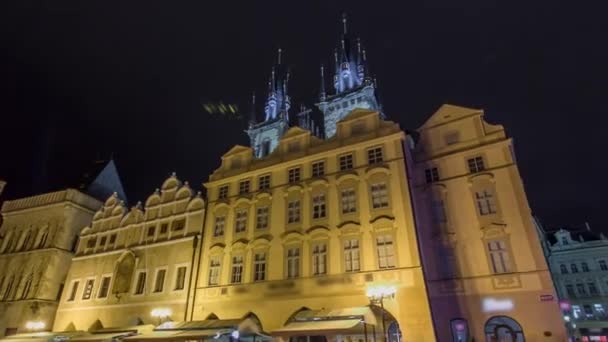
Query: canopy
x=343, y=326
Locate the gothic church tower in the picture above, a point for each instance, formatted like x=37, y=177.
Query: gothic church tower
x=353, y=85
x=265, y=135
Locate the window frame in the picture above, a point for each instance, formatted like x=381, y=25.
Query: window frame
x=73, y=292
x=382, y=246
x=214, y=267
x=507, y=266
x=216, y=224
x=164, y=280
x=383, y=194
x=288, y=257
x=223, y=192
x=350, y=252
x=348, y=200
x=476, y=164
x=257, y=262
x=294, y=174
x=244, y=187
x=136, y=286
x=294, y=213
x=317, y=168
x=262, y=211
x=176, y=268
x=84, y=291
x=100, y=288
x=431, y=175
x=241, y=220
x=375, y=155
x=346, y=161
x=237, y=266
x=319, y=206
x=264, y=182
x=319, y=258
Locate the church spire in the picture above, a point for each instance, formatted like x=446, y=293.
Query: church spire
x=322, y=94
x=252, y=120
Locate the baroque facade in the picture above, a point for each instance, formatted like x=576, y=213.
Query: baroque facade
x=579, y=263
x=486, y=274
x=130, y=262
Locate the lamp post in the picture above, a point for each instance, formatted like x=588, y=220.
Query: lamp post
x=376, y=296
x=161, y=313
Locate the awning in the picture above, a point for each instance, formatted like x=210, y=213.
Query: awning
x=155, y=335
x=321, y=327
x=42, y=336
x=101, y=337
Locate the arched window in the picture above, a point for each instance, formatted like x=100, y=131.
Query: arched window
x=26, y=288
x=26, y=240
x=563, y=269
x=574, y=268
x=43, y=238
x=9, y=288
x=503, y=328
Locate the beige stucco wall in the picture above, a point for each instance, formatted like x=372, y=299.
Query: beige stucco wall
x=166, y=248
x=466, y=233
x=52, y=221
x=274, y=300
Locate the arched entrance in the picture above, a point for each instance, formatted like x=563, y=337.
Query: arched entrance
x=503, y=329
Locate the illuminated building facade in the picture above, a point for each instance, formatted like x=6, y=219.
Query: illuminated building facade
x=300, y=236
x=579, y=263
x=485, y=270
x=37, y=238
x=134, y=266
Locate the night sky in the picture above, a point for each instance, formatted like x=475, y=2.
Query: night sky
x=88, y=79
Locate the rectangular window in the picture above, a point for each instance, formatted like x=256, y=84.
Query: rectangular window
x=293, y=262
x=599, y=309
x=592, y=289
x=318, y=206
x=379, y=195
x=214, y=270
x=318, y=168
x=386, y=251
x=570, y=291
x=293, y=175
x=374, y=156
x=244, y=187
x=476, y=164
x=112, y=239
x=73, y=291
x=159, y=283
x=585, y=267
x=220, y=224
x=179, y=225
x=180, y=278
x=88, y=289
x=264, y=182
x=262, y=217
x=151, y=231
x=90, y=242
x=104, y=288
x=259, y=266
x=349, y=201
x=431, y=175
x=574, y=268
x=485, y=202
x=293, y=211
x=346, y=162
x=102, y=242
x=499, y=256
x=237, y=269
x=319, y=259
x=603, y=265
x=223, y=193
x=351, y=255
x=141, y=283
x=588, y=311
x=164, y=228
x=438, y=210
x=240, y=224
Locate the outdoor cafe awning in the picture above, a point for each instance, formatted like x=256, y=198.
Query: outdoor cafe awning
x=328, y=322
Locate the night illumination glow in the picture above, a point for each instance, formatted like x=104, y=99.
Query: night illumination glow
x=35, y=325
x=493, y=305
x=161, y=312
x=381, y=291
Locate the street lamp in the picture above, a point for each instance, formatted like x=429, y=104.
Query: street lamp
x=161, y=313
x=35, y=325
x=376, y=296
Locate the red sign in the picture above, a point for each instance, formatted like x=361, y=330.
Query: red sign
x=546, y=298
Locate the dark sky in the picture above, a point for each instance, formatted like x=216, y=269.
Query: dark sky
x=85, y=79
